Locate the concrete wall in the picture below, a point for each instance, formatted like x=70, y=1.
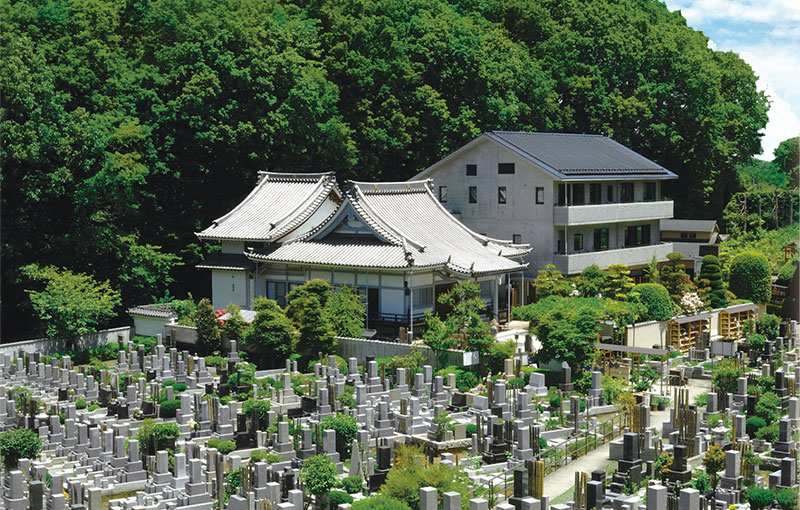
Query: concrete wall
x=647, y=334
x=47, y=346
x=361, y=348
x=631, y=257
x=229, y=287
x=148, y=326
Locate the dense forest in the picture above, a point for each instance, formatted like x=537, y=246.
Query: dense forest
x=129, y=125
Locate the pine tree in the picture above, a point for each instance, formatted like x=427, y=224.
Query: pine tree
x=711, y=281
x=674, y=278
x=208, y=335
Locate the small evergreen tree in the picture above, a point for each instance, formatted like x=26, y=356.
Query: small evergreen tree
x=235, y=326
x=591, y=281
x=618, y=284
x=675, y=278
x=295, y=299
x=208, y=331
x=345, y=311
x=271, y=333
x=551, y=282
x=319, y=477
x=711, y=278
x=439, y=337
x=315, y=331
x=750, y=277
x=759, y=497
x=652, y=272
x=769, y=325
x=714, y=461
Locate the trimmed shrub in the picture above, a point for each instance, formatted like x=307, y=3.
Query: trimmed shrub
x=786, y=272
x=262, y=407
x=471, y=429
x=759, y=497
x=768, y=433
x=750, y=277
x=226, y=447
x=769, y=407
x=769, y=325
x=169, y=408
x=753, y=424
x=351, y=484
x=179, y=387
x=264, y=456
x=337, y=498
x=656, y=300
x=379, y=502
x=787, y=498
x=346, y=428
x=712, y=273
x=213, y=442
x=755, y=342
x=81, y=403
x=18, y=444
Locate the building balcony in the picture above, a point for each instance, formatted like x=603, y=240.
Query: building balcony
x=574, y=263
x=611, y=213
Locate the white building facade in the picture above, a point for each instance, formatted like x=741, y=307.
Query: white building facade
x=578, y=200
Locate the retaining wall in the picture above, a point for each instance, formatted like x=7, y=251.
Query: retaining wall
x=47, y=346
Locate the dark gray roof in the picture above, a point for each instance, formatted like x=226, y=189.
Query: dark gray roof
x=577, y=155
x=227, y=261
x=161, y=310
x=688, y=225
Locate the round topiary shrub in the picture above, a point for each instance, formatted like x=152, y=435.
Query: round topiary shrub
x=769, y=325
x=18, y=444
x=753, y=424
x=81, y=403
x=759, y=497
x=213, y=442
x=471, y=429
x=226, y=447
x=337, y=498
x=656, y=300
x=169, y=408
x=352, y=484
x=179, y=387
x=750, y=277
x=711, y=272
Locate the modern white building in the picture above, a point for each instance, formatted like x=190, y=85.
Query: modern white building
x=577, y=200
x=394, y=242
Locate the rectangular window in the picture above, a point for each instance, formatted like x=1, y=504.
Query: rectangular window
x=645, y=235
x=577, y=242
x=610, y=193
x=562, y=194
x=626, y=192
x=505, y=168
x=595, y=193
x=539, y=195
x=630, y=236
x=443, y=194
x=600, y=239
x=649, y=191
x=423, y=297
x=472, y=169
x=277, y=292
x=501, y=195
x=473, y=194
x=516, y=239
x=578, y=194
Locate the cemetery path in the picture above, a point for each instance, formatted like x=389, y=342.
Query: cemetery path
x=563, y=480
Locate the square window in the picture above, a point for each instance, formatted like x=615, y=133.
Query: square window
x=577, y=242
x=501, y=195
x=517, y=238
x=443, y=194
x=472, y=169
x=473, y=194
x=539, y=195
x=505, y=168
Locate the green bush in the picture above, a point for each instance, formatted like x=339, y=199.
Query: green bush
x=466, y=380
x=516, y=383
x=168, y=382
x=169, y=408
x=351, y=484
x=786, y=272
x=18, y=444
x=179, y=387
x=753, y=424
x=769, y=433
x=702, y=482
x=264, y=456
x=750, y=277
x=215, y=361
x=379, y=502
x=769, y=325
x=471, y=429
x=318, y=474
x=81, y=403
x=148, y=342
x=213, y=442
x=769, y=407
x=93, y=407
x=787, y=498
x=542, y=442
x=153, y=434
x=337, y=498
x=226, y=447
x=759, y=497
x=346, y=428
x=726, y=375
x=656, y=300
x=346, y=398
x=554, y=400
x=262, y=407
x=711, y=277
x=701, y=400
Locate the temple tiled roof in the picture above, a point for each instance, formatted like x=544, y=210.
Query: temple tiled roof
x=278, y=204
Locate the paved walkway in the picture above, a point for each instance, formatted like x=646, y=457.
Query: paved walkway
x=563, y=479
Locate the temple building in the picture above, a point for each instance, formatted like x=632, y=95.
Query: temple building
x=393, y=242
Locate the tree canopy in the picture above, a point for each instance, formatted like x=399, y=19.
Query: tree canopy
x=128, y=126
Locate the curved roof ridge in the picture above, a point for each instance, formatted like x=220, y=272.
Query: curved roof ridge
x=375, y=217
x=306, y=208
x=299, y=176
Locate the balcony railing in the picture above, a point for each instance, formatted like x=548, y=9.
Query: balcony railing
x=634, y=256
x=611, y=213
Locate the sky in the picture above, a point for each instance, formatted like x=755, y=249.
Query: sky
x=766, y=34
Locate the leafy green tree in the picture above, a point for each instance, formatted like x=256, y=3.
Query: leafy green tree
x=750, y=277
x=714, y=461
x=208, y=331
x=591, y=281
x=271, y=332
x=787, y=160
x=464, y=303
x=315, y=331
x=755, y=343
x=656, y=300
x=759, y=497
x=662, y=465
x=70, y=304
x=319, y=476
x=346, y=312
x=499, y=352
x=710, y=278
x=769, y=433
x=235, y=326
x=439, y=337
x=18, y=444
x=768, y=407
x=346, y=428
x=768, y=325
x=674, y=277
x=298, y=297
x=702, y=482
x=410, y=472
x=551, y=282
x=725, y=375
